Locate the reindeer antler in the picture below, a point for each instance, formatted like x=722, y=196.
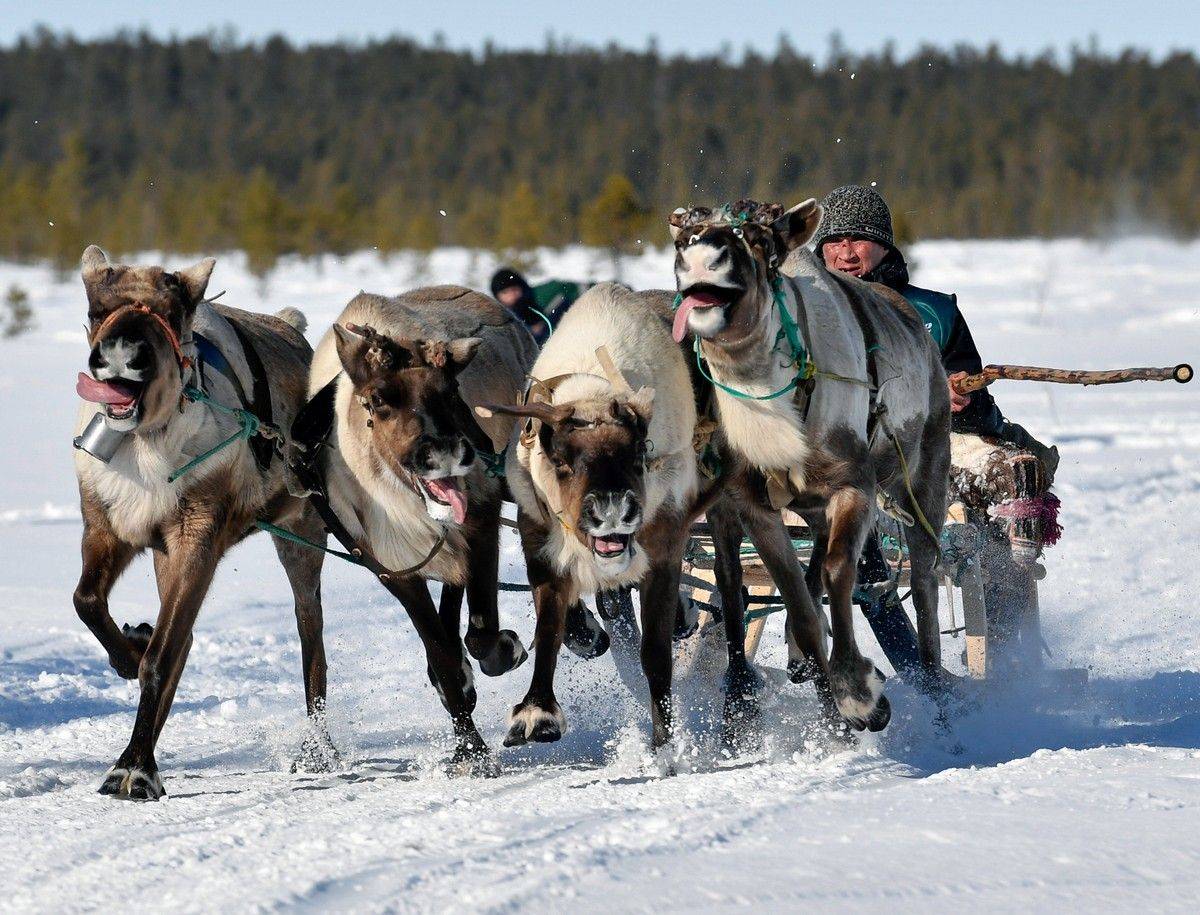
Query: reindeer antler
x=379, y=352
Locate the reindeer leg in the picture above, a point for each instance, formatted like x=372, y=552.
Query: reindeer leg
x=450, y=612
x=538, y=716
x=471, y=754
x=185, y=573
x=742, y=682
x=660, y=598
x=856, y=683
x=105, y=557
x=930, y=491
x=497, y=650
x=807, y=654
x=303, y=565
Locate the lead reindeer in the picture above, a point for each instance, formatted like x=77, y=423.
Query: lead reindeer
x=832, y=388
x=604, y=477
x=406, y=474
x=151, y=336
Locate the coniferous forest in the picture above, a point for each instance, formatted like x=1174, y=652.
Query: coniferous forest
x=208, y=144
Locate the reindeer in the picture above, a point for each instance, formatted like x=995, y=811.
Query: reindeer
x=833, y=390
x=406, y=472
x=152, y=337
x=604, y=477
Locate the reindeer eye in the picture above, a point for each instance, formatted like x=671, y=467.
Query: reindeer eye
x=738, y=232
x=695, y=238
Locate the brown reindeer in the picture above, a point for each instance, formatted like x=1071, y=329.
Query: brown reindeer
x=407, y=475
x=833, y=390
x=151, y=334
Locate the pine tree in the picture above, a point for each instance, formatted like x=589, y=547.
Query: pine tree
x=615, y=219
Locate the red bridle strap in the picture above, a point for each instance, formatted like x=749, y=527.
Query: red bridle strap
x=185, y=362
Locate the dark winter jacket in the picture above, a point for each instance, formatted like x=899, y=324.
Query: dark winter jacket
x=549, y=300
x=946, y=324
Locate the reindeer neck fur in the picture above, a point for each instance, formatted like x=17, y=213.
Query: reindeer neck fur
x=383, y=510
x=770, y=433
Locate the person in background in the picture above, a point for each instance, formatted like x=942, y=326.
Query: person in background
x=541, y=306
x=855, y=236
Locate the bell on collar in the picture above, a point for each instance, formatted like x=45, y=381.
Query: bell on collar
x=99, y=439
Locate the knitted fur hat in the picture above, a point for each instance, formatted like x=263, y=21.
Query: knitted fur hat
x=854, y=209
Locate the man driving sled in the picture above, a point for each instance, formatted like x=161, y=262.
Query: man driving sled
x=993, y=460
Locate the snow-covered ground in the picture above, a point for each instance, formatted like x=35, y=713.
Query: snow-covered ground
x=1091, y=805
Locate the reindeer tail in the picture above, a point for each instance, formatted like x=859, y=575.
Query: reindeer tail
x=294, y=317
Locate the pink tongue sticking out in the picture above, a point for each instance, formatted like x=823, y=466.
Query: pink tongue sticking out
x=106, y=392
x=447, y=490
x=609, y=547
x=696, y=300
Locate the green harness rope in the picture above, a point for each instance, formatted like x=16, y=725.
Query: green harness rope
x=250, y=427
x=304, y=541
x=544, y=317
x=789, y=331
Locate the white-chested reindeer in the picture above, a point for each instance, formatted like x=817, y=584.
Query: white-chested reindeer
x=797, y=354
x=605, y=481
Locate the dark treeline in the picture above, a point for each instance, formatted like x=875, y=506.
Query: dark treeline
x=206, y=144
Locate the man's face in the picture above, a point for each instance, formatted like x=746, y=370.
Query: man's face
x=855, y=256
x=509, y=295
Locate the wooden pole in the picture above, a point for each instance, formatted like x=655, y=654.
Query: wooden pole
x=1181, y=373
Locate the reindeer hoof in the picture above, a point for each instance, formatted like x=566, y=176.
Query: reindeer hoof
x=317, y=755
x=584, y=635
x=498, y=655
x=879, y=718
x=132, y=784
x=138, y=637
x=741, y=712
x=472, y=759
x=532, y=722
x=860, y=699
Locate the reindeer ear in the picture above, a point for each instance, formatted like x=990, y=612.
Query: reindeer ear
x=675, y=222
x=641, y=402
x=352, y=351
x=463, y=350
x=93, y=264
x=195, y=278
x=798, y=224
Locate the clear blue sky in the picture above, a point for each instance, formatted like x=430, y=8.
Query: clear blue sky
x=1018, y=26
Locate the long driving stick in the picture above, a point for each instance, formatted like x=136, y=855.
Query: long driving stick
x=1181, y=373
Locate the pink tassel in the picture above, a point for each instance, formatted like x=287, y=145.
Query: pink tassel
x=1042, y=508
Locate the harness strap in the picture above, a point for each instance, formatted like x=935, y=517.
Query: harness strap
x=260, y=405
x=184, y=361
x=310, y=433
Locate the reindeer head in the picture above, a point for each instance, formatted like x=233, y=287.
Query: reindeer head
x=139, y=324
x=726, y=260
x=419, y=426
x=598, y=450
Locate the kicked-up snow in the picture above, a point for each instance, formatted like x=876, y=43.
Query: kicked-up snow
x=1033, y=802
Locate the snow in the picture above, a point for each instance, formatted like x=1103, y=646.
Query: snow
x=1028, y=805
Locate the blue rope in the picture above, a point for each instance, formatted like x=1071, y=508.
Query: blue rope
x=544, y=317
